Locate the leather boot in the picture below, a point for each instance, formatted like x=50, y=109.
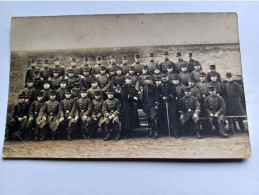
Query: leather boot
x=108, y=137
x=118, y=137
x=155, y=135
x=198, y=133
x=69, y=137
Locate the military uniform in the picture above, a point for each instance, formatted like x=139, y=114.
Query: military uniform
x=76, y=91
x=182, y=63
x=196, y=75
x=86, y=66
x=46, y=93
x=91, y=92
x=86, y=80
x=192, y=63
x=152, y=64
x=37, y=83
x=46, y=72
x=135, y=80
x=103, y=80
x=212, y=73
x=97, y=67
x=218, y=86
x=71, y=80
x=29, y=93
x=61, y=91
x=55, y=80
x=184, y=76
x=116, y=84
x=30, y=73
x=60, y=69
x=125, y=68
x=164, y=65
x=112, y=69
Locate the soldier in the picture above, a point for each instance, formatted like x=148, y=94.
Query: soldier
x=129, y=107
x=194, y=90
x=159, y=101
x=157, y=72
x=103, y=80
x=165, y=63
x=46, y=72
x=180, y=62
x=134, y=77
x=97, y=123
x=62, y=89
x=168, y=94
x=234, y=95
x=203, y=88
x=192, y=63
x=33, y=121
x=213, y=72
x=60, y=69
x=15, y=128
x=71, y=79
x=124, y=65
x=48, y=117
x=189, y=109
x=94, y=87
x=196, y=72
x=86, y=66
x=112, y=66
x=111, y=111
x=142, y=78
x=179, y=87
x=77, y=70
x=86, y=79
x=171, y=71
x=152, y=64
x=97, y=67
x=137, y=65
x=184, y=75
x=46, y=90
x=55, y=80
x=30, y=72
x=83, y=113
x=149, y=101
x=216, y=83
x=37, y=83
x=215, y=108
x=117, y=83
x=67, y=108
x=29, y=92
x=76, y=91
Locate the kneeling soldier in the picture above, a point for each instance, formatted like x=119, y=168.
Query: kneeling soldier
x=83, y=112
x=189, y=109
x=215, y=108
x=67, y=113
x=111, y=111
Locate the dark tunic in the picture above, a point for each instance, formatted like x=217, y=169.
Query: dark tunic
x=29, y=93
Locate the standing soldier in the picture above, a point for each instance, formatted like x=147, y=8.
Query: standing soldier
x=152, y=64
x=216, y=83
x=20, y=116
x=60, y=69
x=97, y=67
x=37, y=83
x=62, y=89
x=67, y=108
x=179, y=87
x=124, y=66
x=141, y=80
x=77, y=70
x=203, y=88
x=103, y=80
x=157, y=72
x=184, y=75
x=134, y=77
x=30, y=73
x=55, y=80
x=189, y=109
x=149, y=101
x=112, y=66
x=194, y=90
x=71, y=79
x=234, y=95
x=48, y=117
x=137, y=65
x=46, y=72
x=165, y=63
x=83, y=113
x=192, y=63
x=46, y=90
x=87, y=78
x=180, y=62
x=33, y=116
x=129, y=107
x=117, y=83
x=86, y=66
x=168, y=94
x=111, y=111
x=215, y=108
x=172, y=71
x=213, y=72
x=196, y=72
x=97, y=116
x=94, y=87
x=29, y=92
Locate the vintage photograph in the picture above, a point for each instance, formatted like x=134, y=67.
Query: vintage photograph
x=136, y=86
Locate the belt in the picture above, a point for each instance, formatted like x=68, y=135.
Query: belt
x=67, y=111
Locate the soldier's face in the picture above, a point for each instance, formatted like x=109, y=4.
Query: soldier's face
x=164, y=79
x=144, y=71
x=52, y=97
x=180, y=57
x=99, y=61
x=184, y=69
x=212, y=92
x=56, y=62
x=148, y=81
x=124, y=61
x=110, y=95
x=128, y=81
x=131, y=71
x=70, y=74
x=197, y=67
x=86, y=73
x=169, y=70
x=156, y=71
x=33, y=64
x=68, y=95
x=98, y=97
x=83, y=95
x=73, y=63
x=213, y=69
x=55, y=74
x=137, y=60
x=102, y=71
x=46, y=65
x=188, y=93
x=94, y=85
x=46, y=86
x=119, y=72
x=63, y=85
x=214, y=78
x=85, y=62
x=229, y=79
x=39, y=98
x=191, y=84
x=21, y=100
x=30, y=84
x=176, y=82
x=202, y=78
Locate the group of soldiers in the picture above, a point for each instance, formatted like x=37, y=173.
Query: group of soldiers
x=79, y=101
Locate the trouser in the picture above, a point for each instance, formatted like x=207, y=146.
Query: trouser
x=15, y=128
x=83, y=126
x=66, y=130
x=190, y=125
x=218, y=123
x=111, y=127
x=152, y=117
x=233, y=126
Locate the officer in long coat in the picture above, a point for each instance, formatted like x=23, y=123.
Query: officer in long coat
x=234, y=95
x=215, y=108
x=189, y=109
x=111, y=111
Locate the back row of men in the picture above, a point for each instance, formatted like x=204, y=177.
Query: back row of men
x=171, y=99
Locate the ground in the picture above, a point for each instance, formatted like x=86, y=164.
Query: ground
x=235, y=146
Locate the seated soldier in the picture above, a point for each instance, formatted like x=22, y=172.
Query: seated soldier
x=55, y=80
x=215, y=108
x=61, y=91
x=189, y=109
x=111, y=111
x=94, y=87
x=196, y=72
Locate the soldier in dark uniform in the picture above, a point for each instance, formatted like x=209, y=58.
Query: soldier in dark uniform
x=97, y=123
x=157, y=72
x=86, y=66
x=165, y=63
x=142, y=83
x=112, y=66
x=180, y=62
x=184, y=75
x=48, y=117
x=29, y=92
x=149, y=101
x=94, y=87
x=30, y=72
x=168, y=94
x=117, y=83
x=37, y=83
x=46, y=72
x=215, y=108
x=76, y=91
x=159, y=102
x=32, y=124
x=194, y=90
x=111, y=110
x=192, y=63
x=129, y=107
x=189, y=109
x=46, y=90
x=83, y=113
x=152, y=64
x=55, y=80
x=179, y=87
x=172, y=71
x=67, y=108
x=62, y=89
x=134, y=77
x=213, y=72
x=137, y=65
x=124, y=66
x=217, y=84
x=234, y=95
x=103, y=80
x=60, y=69
x=196, y=72
x=97, y=67
x=87, y=78
x=75, y=68
x=15, y=128
x=71, y=79
x=203, y=88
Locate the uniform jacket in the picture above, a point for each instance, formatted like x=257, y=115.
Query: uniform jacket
x=55, y=81
x=86, y=81
x=211, y=73
x=151, y=66
x=125, y=69
x=111, y=106
x=214, y=104
x=218, y=86
x=61, y=70
x=168, y=90
x=67, y=107
x=203, y=88
x=149, y=97
x=46, y=72
x=83, y=107
x=29, y=93
x=61, y=94
x=180, y=63
x=138, y=68
x=184, y=77
x=46, y=93
x=179, y=91
x=30, y=73
x=117, y=82
x=91, y=92
x=112, y=69
x=104, y=81
x=191, y=64
x=196, y=75
x=21, y=110
x=35, y=108
x=165, y=64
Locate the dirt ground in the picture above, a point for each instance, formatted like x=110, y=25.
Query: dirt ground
x=235, y=146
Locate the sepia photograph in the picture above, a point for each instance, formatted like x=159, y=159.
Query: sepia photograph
x=126, y=86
